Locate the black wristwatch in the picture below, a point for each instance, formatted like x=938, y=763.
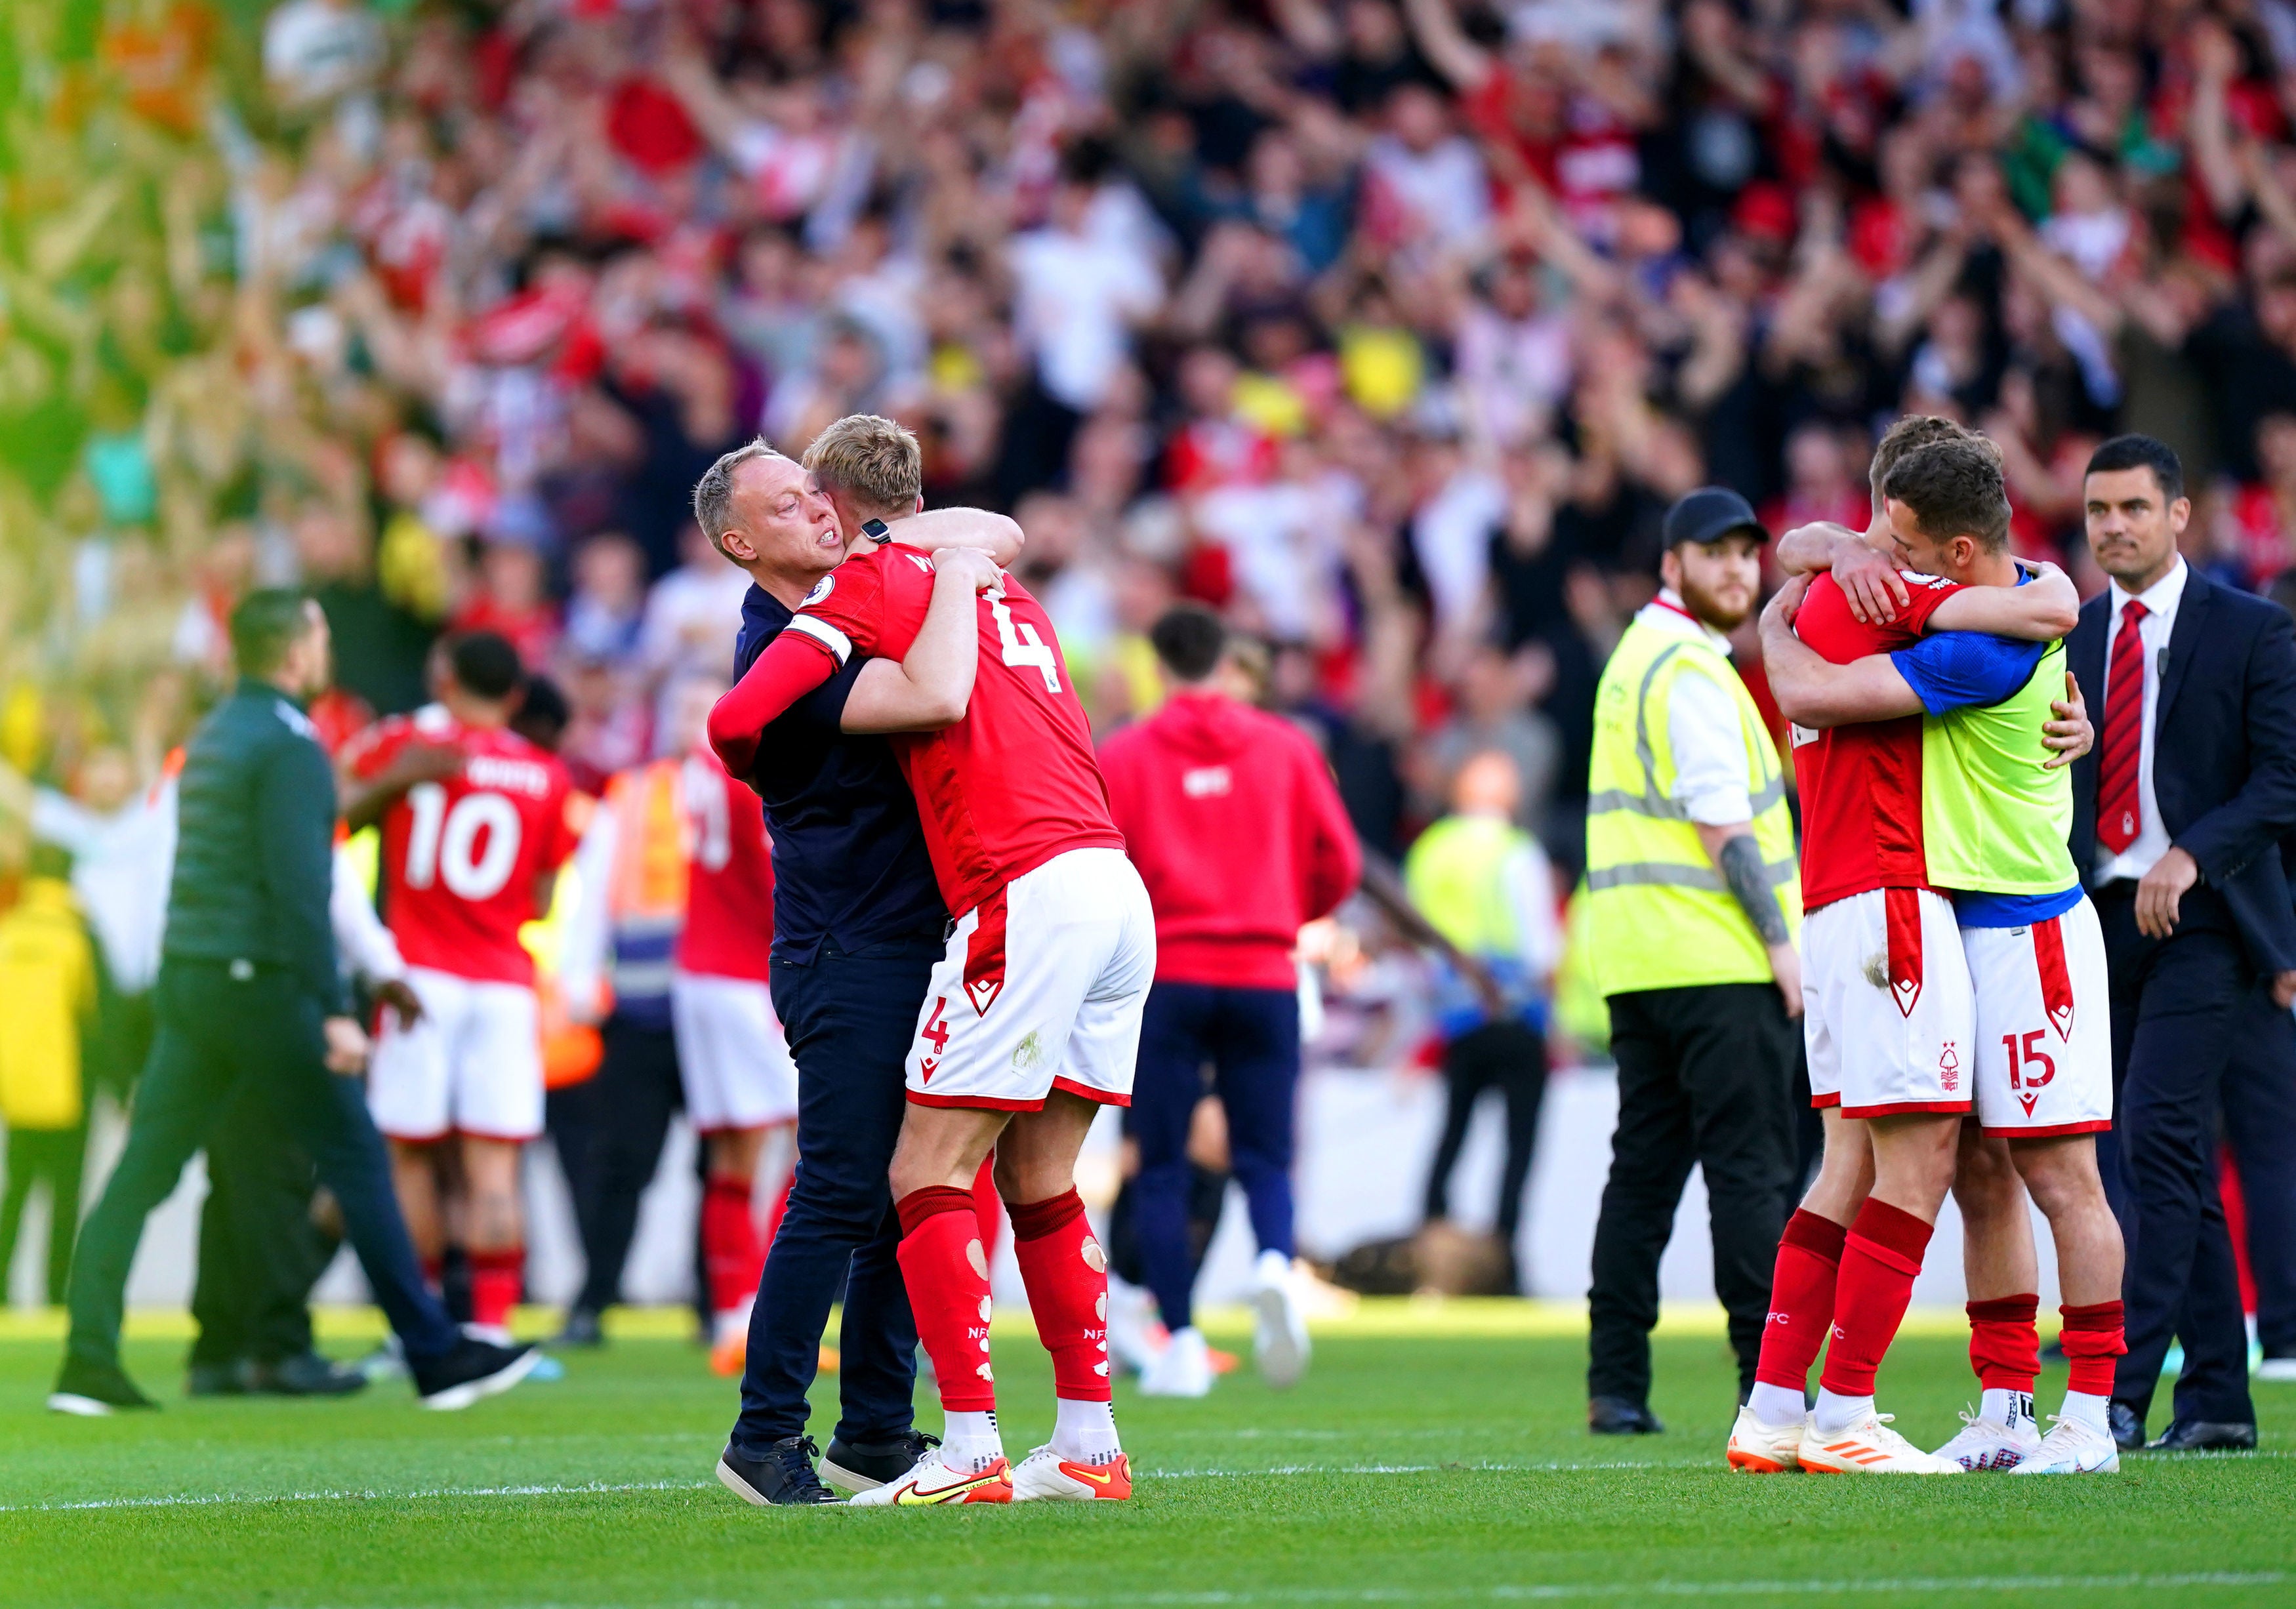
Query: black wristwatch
x=877, y=531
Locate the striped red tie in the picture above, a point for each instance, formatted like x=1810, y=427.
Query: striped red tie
x=2118, y=814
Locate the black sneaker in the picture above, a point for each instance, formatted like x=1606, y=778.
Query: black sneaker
x=93, y=1390
x=216, y=1380
x=866, y=1465
x=307, y=1376
x=473, y=1370
x=1617, y=1417
x=2128, y=1426
x=783, y=1477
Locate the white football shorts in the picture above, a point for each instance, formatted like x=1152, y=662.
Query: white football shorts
x=1042, y=988
x=2043, y=1026
x=472, y=1064
x=730, y=1056
x=1888, y=1014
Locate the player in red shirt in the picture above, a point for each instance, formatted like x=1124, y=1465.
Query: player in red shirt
x=475, y=826
x=1032, y=1018
x=1876, y=1044
x=740, y=1083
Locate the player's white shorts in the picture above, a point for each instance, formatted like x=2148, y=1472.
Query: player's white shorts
x=2043, y=1026
x=730, y=1056
x=472, y=1064
x=1887, y=1011
x=1041, y=990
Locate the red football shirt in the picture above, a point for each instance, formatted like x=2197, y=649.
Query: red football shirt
x=460, y=858
x=1861, y=785
x=1015, y=782
x=729, y=876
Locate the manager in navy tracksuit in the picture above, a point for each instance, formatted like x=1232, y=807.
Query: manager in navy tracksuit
x=2178, y=813
x=858, y=924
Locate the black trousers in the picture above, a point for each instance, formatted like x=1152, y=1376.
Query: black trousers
x=1250, y=1038
x=1705, y=1076
x=56, y=1155
x=2259, y=1102
x=631, y=1099
x=2178, y=1004
x=223, y=1029
x=259, y=1251
x=850, y=1020
x=1511, y=1058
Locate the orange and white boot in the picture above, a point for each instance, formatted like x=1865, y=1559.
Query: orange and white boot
x=929, y=1482
x=1044, y=1473
x=1869, y=1447
x=1765, y=1449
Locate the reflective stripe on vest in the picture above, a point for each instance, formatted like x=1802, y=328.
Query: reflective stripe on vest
x=1659, y=914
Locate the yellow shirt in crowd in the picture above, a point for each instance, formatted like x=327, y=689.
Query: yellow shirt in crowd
x=47, y=991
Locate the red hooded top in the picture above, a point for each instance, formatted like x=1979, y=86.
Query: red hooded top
x=1232, y=820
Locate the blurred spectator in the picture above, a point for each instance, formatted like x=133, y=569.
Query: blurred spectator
x=48, y=993
x=1484, y=885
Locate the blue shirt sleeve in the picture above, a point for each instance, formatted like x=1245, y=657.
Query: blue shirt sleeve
x=1966, y=669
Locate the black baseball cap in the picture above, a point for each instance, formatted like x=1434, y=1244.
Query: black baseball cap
x=1709, y=515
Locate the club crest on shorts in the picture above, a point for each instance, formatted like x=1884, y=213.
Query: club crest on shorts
x=1948, y=1068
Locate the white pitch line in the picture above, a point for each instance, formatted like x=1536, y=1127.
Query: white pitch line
x=603, y=1488
x=1543, y=1592
x=224, y=1499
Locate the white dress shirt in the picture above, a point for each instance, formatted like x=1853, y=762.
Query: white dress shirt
x=2159, y=600
x=1701, y=721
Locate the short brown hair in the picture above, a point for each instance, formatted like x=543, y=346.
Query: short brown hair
x=1914, y=430
x=1954, y=487
x=713, y=494
x=876, y=460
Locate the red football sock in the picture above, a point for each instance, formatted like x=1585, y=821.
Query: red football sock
x=947, y=1271
x=2092, y=1339
x=496, y=1277
x=1801, y=1299
x=2004, y=1347
x=1067, y=1275
x=986, y=1207
x=731, y=1254
x=1880, y=1257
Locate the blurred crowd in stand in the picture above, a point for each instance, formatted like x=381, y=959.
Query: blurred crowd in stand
x=1388, y=329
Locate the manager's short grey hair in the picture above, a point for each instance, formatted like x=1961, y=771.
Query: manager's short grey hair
x=713, y=494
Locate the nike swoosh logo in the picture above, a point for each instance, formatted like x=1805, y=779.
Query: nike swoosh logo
x=916, y=1498
x=1083, y=1471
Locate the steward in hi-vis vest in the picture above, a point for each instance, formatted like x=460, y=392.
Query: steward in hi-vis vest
x=1693, y=905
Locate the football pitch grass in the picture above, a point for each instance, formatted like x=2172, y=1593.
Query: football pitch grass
x=1439, y=1460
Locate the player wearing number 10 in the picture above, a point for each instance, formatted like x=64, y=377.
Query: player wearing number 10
x=474, y=828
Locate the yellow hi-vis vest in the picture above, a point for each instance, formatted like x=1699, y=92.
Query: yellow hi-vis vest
x=1659, y=913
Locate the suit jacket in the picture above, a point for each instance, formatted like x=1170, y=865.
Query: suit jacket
x=2224, y=752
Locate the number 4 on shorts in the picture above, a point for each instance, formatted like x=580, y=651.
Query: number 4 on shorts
x=935, y=1031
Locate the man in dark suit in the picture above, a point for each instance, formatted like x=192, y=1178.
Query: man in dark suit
x=2178, y=814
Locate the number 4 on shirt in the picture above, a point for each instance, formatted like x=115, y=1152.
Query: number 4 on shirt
x=1023, y=648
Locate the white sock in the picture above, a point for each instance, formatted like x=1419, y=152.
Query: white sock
x=969, y=1442
x=2005, y=1407
x=1835, y=1413
x=1084, y=1433
x=2096, y=1412
x=1777, y=1404
x=1271, y=1268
